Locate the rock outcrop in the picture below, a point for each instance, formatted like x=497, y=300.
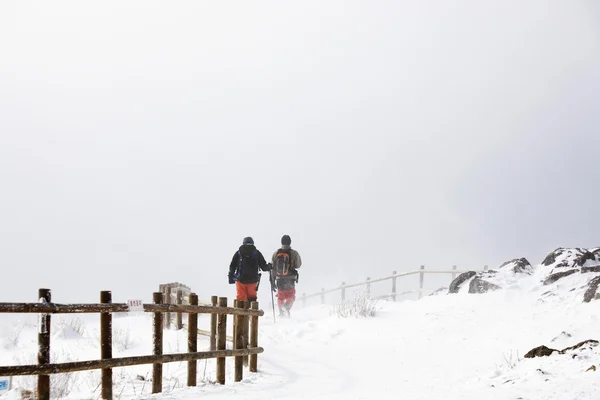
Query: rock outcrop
x=462, y=278
x=543, y=351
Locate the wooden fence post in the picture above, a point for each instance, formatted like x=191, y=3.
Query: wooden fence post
x=221, y=341
x=167, y=300
x=453, y=273
x=238, y=340
x=254, y=338
x=43, y=390
x=213, y=325
x=421, y=279
x=368, y=287
x=303, y=299
x=245, y=330
x=343, y=290
x=323, y=296
x=192, y=340
x=394, y=286
x=235, y=323
x=106, y=345
x=158, y=345
x=179, y=314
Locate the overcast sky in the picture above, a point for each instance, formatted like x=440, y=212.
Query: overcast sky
x=140, y=141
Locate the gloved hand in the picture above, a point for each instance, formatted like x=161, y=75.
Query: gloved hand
x=269, y=267
x=231, y=280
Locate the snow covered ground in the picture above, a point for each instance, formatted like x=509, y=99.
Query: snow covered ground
x=460, y=346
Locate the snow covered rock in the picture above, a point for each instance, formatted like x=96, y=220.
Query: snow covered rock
x=571, y=258
x=459, y=280
x=479, y=285
x=550, y=279
x=518, y=265
x=591, y=292
x=486, y=281
x=543, y=351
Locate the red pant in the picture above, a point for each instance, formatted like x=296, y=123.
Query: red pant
x=245, y=291
x=286, y=298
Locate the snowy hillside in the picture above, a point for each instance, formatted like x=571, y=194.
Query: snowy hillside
x=456, y=346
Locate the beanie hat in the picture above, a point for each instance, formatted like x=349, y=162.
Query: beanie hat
x=248, y=240
x=286, y=240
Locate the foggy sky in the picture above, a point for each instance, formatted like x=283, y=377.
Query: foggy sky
x=140, y=141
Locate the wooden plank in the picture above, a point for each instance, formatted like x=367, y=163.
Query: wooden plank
x=157, y=348
x=59, y=368
x=221, y=340
x=55, y=308
x=106, y=346
x=43, y=389
x=254, y=339
x=238, y=333
x=192, y=342
x=213, y=325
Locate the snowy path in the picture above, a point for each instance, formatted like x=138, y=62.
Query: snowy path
x=437, y=348
x=460, y=347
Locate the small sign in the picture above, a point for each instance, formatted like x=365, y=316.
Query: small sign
x=4, y=385
x=135, y=305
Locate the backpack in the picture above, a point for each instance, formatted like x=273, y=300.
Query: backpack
x=246, y=261
x=283, y=264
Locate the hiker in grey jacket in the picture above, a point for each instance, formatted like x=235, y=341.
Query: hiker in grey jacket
x=286, y=274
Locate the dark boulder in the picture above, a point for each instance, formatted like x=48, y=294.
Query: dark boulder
x=541, y=351
x=462, y=278
x=590, y=342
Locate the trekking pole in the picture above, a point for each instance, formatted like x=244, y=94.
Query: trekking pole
x=272, y=299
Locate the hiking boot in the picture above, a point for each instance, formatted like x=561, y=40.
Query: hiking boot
x=281, y=313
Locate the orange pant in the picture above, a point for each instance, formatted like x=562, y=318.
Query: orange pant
x=245, y=291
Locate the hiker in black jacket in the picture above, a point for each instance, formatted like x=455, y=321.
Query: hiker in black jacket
x=244, y=270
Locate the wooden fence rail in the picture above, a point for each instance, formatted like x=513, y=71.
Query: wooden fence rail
x=245, y=339
x=368, y=282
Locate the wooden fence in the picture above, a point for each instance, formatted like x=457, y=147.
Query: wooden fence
x=245, y=339
x=394, y=294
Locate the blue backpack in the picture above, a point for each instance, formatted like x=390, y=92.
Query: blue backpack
x=245, y=261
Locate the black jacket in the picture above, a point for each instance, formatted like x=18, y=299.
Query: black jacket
x=249, y=273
